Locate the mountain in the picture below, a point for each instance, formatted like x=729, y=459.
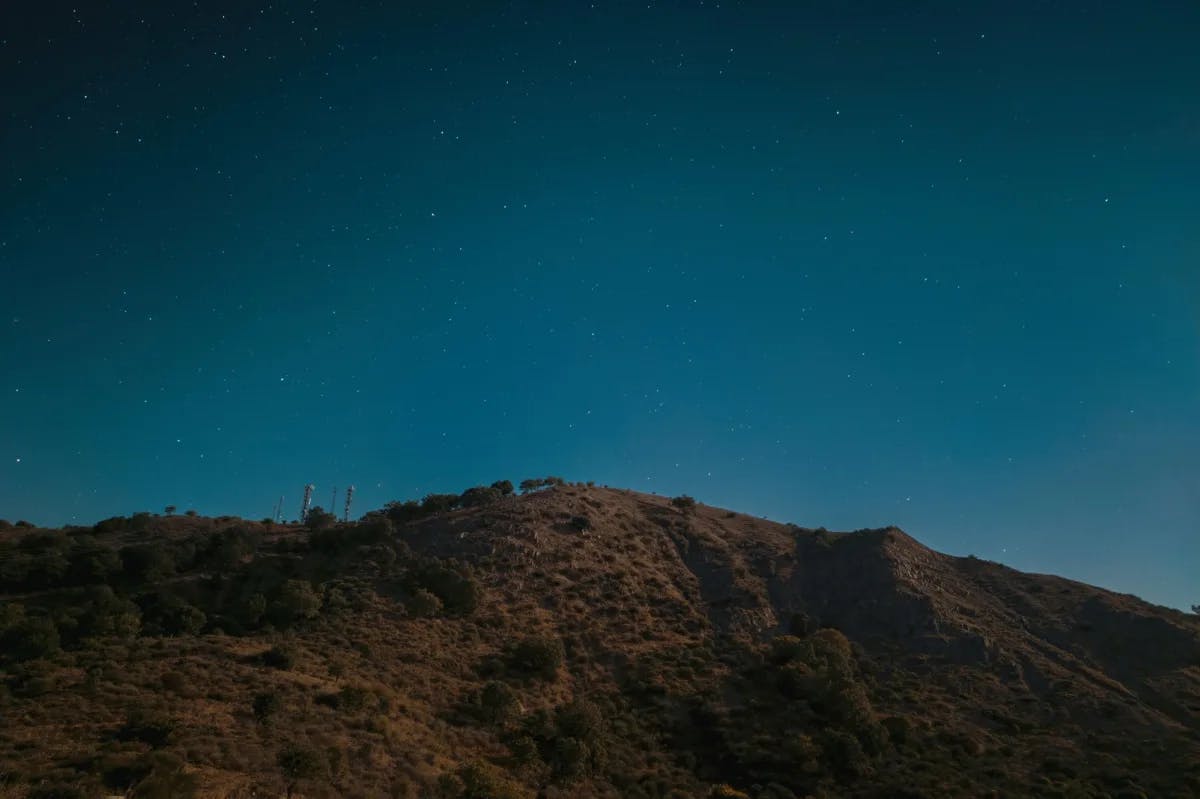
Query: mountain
x=573, y=641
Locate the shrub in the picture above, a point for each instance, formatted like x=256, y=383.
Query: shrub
x=534, y=483
x=295, y=601
x=174, y=682
x=252, y=609
x=479, y=496
x=482, y=780
x=898, y=728
x=683, y=502
x=318, y=518
x=299, y=763
x=265, y=706
x=423, y=604
x=401, y=512
x=786, y=648
x=505, y=487
x=168, y=614
x=727, y=792
x=56, y=792
x=578, y=719
x=581, y=523
x=844, y=754
x=30, y=638
x=498, y=703
x=166, y=778
x=152, y=730
x=439, y=503
x=279, y=657
x=538, y=656
x=353, y=699
x=453, y=585
x=146, y=563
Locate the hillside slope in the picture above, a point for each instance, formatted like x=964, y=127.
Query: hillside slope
x=574, y=641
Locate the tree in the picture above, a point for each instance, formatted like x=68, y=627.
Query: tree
x=440, y=503
x=505, y=487
x=319, y=519
x=479, y=496
x=169, y=510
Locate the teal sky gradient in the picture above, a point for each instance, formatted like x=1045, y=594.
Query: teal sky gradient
x=832, y=263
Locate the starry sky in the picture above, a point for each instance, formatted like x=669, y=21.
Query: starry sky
x=837, y=263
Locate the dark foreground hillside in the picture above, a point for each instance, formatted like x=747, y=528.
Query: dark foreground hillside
x=573, y=642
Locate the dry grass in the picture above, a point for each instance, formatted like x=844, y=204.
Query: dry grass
x=664, y=613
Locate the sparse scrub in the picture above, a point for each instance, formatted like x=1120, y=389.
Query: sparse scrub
x=537, y=656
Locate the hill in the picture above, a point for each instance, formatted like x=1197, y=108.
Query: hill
x=573, y=641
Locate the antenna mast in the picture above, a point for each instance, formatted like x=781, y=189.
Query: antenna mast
x=333, y=502
x=349, y=496
x=308, y=492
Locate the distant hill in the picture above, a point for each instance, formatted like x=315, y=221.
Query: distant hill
x=573, y=641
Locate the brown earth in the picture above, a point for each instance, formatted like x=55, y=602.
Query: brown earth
x=703, y=653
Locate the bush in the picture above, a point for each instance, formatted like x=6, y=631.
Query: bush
x=152, y=730
x=482, y=780
x=727, y=792
x=844, y=754
x=439, y=503
x=279, y=657
x=423, y=604
x=538, y=656
x=319, y=519
x=146, y=563
x=480, y=496
x=581, y=524
x=295, y=601
x=265, y=706
x=168, y=614
x=578, y=719
x=174, y=682
x=683, y=502
x=787, y=648
x=454, y=586
x=165, y=779
x=56, y=792
x=498, y=703
x=505, y=487
x=30, y=638
x=299, y=763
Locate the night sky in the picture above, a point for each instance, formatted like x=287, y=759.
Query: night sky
x=833, y=263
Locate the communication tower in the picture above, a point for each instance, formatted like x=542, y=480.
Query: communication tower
x=349, y=497
x=308, y=492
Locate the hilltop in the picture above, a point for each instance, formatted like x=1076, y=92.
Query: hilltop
x=573, y=641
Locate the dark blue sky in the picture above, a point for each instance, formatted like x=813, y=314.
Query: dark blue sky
x=833, y=263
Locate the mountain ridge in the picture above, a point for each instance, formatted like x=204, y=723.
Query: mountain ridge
x=716, y=652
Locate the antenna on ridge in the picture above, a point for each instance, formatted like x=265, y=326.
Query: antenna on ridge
x=349, y=496
x=308, y=492
x=333, y=501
